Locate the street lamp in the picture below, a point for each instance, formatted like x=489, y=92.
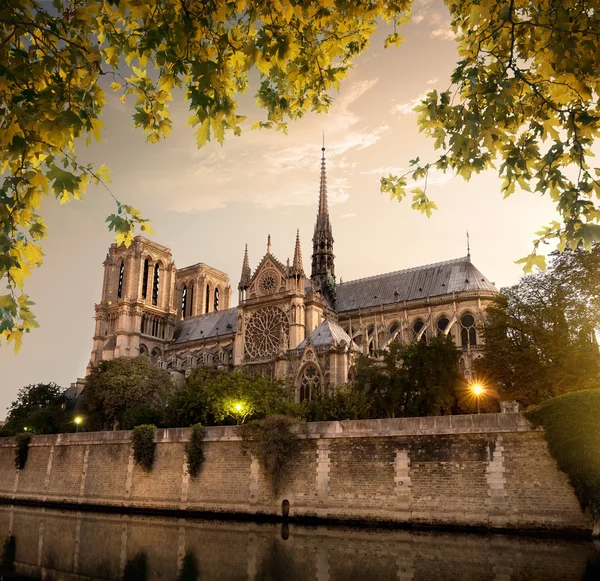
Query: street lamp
x=78, y=420
x=478, y=390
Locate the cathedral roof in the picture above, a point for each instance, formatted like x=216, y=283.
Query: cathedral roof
x=206, y=326
x=430, y=280
x=328, y=333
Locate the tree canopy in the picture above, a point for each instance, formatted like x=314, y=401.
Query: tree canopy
x=416, y=379
x=541, y=335
x=522, y=98
x=117, y=387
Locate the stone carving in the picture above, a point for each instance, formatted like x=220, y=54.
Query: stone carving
x=263, y=332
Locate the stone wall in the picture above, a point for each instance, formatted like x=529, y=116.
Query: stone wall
x=488, y=471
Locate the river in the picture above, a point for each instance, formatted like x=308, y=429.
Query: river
x=69, y=546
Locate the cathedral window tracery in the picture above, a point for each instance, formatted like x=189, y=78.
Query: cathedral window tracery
x=416, y=328
x=442, y=325
x=264, y=332
x=145, y=279
x=468, y=333
x=184, y=301
x=207, y=305
x=216, y=300
x=121, y=274
x=155, y=284
x=310, y=383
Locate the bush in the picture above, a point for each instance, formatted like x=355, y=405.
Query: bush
x=21, y=450
x=9, y=550
x=194, y=450
x=142, y=414
x=572, y=428
x=273, y=443
x=142, y=441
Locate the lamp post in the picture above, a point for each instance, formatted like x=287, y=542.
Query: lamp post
x=478, y=391
x=78, y=420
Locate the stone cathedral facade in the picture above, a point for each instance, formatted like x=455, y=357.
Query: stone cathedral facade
x=306, y=328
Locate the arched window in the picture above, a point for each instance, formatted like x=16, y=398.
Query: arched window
x=468, y=334
x=121, y=273
x=417, y=327
x=144, y=324
x=155, y=285
x=145, y=279
x=191, y=301
x=207, y=305
x=310, y=384
x=394, y=329
x=442, y=325
x=371, y=348
x=216, y=299
x=183, y=301
x=144, y=350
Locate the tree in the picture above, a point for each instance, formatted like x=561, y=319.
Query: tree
x=417, y=379
x=346, y=403
x=212, y=396
x=40, y=408
x=541, y=334
x=522, y=97
x=119, y=385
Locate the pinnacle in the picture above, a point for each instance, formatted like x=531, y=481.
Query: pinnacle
x=297, y=264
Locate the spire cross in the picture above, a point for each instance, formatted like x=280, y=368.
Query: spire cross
x=269, y=244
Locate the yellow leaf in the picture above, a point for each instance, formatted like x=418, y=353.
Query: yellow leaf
x=115, y=86
x=97, y=125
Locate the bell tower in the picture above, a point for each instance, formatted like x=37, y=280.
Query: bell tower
x=136, y=314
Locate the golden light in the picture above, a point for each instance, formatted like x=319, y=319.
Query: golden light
x=477, y=389
x=78, y=420
x=238, y=407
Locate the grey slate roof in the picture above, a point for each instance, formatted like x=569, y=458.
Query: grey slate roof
x=206, y=326
x=430, y=280
x=328, y=333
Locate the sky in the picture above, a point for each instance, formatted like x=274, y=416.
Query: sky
x=206, y=204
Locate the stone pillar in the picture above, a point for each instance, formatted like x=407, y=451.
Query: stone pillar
x=496, y=483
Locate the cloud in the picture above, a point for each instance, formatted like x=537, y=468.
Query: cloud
x=432, y=81
x=383, y=171
x=196, y=203
x=443, y=33
x=435, y=178
x=348, y=215
x=407, y=108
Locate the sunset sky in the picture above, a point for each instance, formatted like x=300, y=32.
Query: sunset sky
x=206, y=204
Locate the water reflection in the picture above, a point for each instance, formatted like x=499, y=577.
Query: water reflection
x=55, y=545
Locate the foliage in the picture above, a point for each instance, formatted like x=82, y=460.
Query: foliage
x=39, y=408
x=572, y=429
x=213, y=396
x=541, y=334
x=142, y=441
x=141, y=414
x=346, y=403
x=523, y=101
x=9, y=551
x=416, y=379
x=194, y=450
x=21, y=450
x=118, y=385
x=51, y=94
x=273, y=443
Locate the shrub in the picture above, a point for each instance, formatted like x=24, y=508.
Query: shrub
x=21, y=450
x=572, y=428
x=136, y=569
x=9, y=550
x=273, y=443
x=194, y=450
x=144, y=447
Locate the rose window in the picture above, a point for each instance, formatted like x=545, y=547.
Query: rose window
x=264, y=333
x=267, y=283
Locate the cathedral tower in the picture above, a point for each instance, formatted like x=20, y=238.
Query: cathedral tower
x=323, y=267
x=136, y=315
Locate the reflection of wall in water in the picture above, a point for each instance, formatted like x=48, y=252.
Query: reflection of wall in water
x=82, y=546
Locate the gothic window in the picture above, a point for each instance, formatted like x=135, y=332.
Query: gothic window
x=268, y=283
x=371, y=348
x=121, y=273
x=468, y=334
x=145, y=279
x=442, y=325
x=310, y=383
x=144, y=350
x=371, y=330
x=184, y=301
x=207, y=306
x=191, y=301
x=144, y=324
x=155, y=285
x=264, y=332
x=394, y=328
x=155, y=354
x=216, y=299
x=417, y=327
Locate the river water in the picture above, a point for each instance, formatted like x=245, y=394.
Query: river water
x=69, y=546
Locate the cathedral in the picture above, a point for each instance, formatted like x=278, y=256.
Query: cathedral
x=307, y=329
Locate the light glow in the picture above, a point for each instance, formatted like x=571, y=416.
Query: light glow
x=78, y=420
x=477, y=389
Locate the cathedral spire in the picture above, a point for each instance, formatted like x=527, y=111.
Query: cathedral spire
x=297, y=267
x=323, y=268
x=246, y=272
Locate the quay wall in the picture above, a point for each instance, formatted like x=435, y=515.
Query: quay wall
x=488, y=471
